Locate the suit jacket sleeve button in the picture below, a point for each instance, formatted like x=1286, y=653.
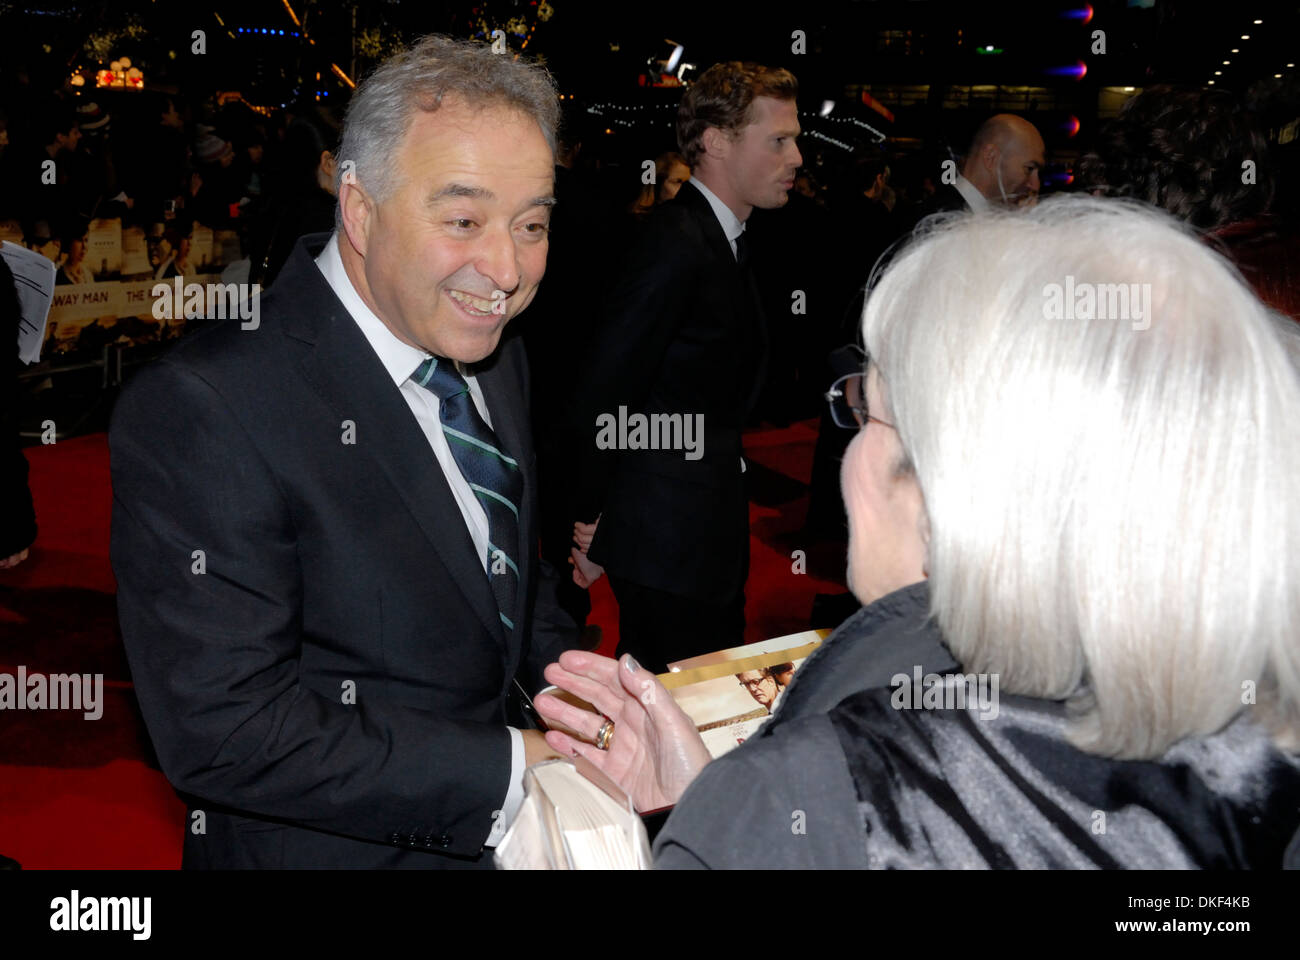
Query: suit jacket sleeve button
x=445, y=840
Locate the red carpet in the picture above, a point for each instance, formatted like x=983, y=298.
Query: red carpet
x=76, y=793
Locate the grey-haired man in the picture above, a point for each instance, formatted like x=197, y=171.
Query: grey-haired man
x=324, y=529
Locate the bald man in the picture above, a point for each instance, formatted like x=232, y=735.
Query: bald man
x=1004, y=161
x=1001, y=168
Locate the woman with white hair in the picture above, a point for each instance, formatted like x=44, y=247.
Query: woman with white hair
x=1077, y=469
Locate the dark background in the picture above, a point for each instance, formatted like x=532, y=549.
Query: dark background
x=925, y=61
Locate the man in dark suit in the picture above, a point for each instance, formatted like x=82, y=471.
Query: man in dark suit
x=682, y=343
x=18, y=520
x=324, y=527
x=1002, y=168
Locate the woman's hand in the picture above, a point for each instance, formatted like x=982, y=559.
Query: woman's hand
x=655, y=752
x=584, y=533
x=585, y=573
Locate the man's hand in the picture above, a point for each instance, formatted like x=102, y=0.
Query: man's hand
x=655, y=752
x=14, y=560
x=585, y=573
x=536, y=748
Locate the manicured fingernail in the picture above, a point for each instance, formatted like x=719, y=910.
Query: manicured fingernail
x=631, y=664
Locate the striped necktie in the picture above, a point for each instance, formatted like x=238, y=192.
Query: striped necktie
x=490, y=472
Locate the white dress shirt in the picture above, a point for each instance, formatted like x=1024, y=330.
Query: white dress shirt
x=971, y=194
x=732, y=225
x=400, y=360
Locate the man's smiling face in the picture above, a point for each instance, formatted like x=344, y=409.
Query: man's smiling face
x=459, y=246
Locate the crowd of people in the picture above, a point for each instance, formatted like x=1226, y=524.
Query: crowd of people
x=160, y=170
x=1099, y=509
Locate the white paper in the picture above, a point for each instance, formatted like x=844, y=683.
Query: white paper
x=34, y=281
x=567, y=822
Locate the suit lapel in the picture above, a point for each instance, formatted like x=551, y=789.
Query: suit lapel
x=708, y=223
x=751, y=323
x=351, y=379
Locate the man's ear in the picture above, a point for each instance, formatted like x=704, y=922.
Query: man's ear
x=991, y=157
x=358, y=213
x=716, y=143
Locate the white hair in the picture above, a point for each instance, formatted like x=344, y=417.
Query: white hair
x=380, y=111
x=1114, y=512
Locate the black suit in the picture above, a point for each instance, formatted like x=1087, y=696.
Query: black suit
x=18, y=519
x=682, y=333
x=335, y=572
x=945, y=199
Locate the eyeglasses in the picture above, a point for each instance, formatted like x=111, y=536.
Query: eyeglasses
x=848, y=401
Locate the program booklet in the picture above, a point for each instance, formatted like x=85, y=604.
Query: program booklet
x=728, y=693
x=731, y=693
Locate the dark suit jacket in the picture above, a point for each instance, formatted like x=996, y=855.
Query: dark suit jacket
x=332, y=690
x=18, y=518
x=946, y=199
x=682, y=332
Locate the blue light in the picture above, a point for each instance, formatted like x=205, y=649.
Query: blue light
x=282, y=33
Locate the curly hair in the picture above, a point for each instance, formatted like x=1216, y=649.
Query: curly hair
x=1183, y=150
x=723, y=97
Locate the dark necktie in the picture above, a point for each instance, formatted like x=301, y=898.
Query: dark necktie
x=490, y=472
x=742, y=250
